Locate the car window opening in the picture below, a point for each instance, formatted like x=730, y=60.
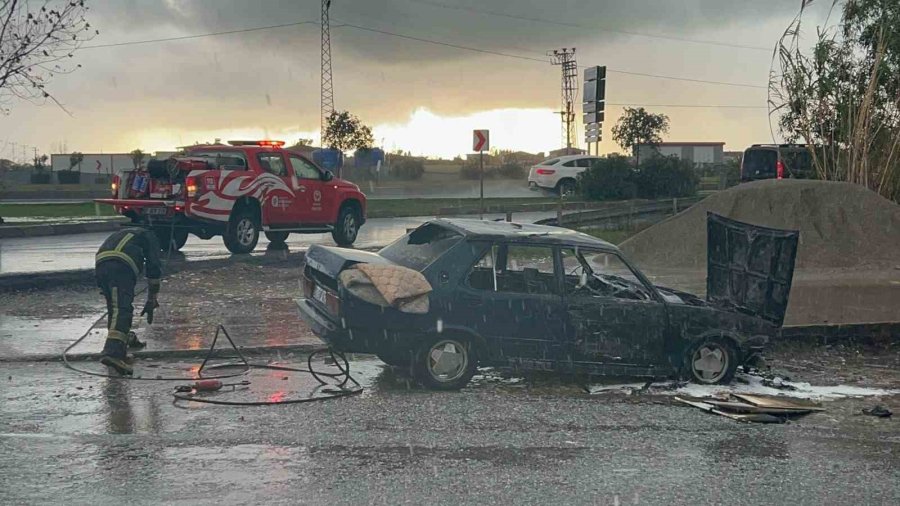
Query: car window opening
x=224, y=160
x=600, y=275
x=515, y=269
x=418, y=249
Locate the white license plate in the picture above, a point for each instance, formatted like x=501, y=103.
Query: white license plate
x=319, y=294
x=155, y=210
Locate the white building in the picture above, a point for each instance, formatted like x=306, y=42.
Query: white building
x=701, y=153
x=102, y=163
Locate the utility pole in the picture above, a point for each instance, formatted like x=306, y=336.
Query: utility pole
x=327, y=90
x=565, y=58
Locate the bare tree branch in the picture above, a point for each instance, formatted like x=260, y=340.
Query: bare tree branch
x=36, y=45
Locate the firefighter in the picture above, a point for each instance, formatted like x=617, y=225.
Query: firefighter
x=119, y=263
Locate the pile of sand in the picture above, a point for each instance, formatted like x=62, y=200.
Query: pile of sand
x=841, y=225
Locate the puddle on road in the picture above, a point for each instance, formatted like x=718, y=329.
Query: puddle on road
x=21, y=336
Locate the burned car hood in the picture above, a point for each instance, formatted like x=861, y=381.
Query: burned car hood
x=750, y=268
x=331, y=260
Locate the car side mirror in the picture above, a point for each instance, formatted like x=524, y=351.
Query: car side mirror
x=327, y=175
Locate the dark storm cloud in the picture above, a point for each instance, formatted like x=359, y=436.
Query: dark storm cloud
x=467, y=22
x=246, y=66
x=270, y=78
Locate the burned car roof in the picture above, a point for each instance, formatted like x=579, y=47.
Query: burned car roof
x=526, y=232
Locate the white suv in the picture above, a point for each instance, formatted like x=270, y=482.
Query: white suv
x=559, y=174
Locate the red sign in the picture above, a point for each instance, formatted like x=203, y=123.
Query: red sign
x=481, y=140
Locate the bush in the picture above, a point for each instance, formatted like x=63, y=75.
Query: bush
x=610, y=178
x=511, y=170
x=471, y=170
x=68, y=176
x=666, y=176
x=40, y=178
x=410, y=168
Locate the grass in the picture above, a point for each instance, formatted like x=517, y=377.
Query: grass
x=54, y=210
x=442, y=168
x=428, y=207
x=43, y=188
x=377, y=208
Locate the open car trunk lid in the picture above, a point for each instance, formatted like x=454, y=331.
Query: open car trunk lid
x=750, y=268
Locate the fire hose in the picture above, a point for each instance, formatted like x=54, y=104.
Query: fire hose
x=208, y=383
x=204, y=383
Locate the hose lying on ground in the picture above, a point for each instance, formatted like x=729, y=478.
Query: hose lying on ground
x=338, y=358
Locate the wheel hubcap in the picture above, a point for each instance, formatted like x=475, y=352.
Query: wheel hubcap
x=349, y=226
x=710, y=363
x=245, y=231
x=447, y=360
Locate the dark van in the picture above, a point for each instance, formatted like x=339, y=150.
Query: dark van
x=769, y=161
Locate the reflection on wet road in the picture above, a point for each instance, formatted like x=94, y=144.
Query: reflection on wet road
x=101, y=441
x=67, y=252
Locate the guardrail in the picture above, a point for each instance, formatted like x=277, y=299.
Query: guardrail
x=627, y=209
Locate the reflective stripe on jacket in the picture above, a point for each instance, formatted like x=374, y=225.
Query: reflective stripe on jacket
x=137, y=248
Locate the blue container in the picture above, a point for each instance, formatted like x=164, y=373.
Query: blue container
x=368, y=158
x=331, y=159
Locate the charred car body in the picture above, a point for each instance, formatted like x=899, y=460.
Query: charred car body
x=531, y=296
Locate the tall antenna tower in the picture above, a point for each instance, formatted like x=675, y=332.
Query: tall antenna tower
x=327, y=92
x=565, y=58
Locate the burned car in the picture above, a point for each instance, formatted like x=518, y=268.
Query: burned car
x=454, y=294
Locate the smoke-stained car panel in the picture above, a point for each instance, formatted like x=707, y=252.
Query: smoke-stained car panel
x=454, y=294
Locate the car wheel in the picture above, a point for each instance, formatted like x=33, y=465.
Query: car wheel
x=347, y=226
x=712, y=361
x=242, y=232
x=277, y=237
x=445, y=363
x=170, y=238
x=566, y=188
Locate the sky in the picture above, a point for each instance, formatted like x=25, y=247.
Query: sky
x=417, y=96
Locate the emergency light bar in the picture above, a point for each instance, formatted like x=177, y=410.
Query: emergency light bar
x=271, y=144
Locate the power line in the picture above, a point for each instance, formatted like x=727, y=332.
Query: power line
x=576, y=25
x=686, y=79
x=716, y=106
x=200, y=35
x=541, y=60
x=414, y=38
x=445, y=44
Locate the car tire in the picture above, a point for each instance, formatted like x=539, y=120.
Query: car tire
x=277, y=237
x=347, y=226
x=445, y=363
x=566, y=188
x=167, y=237
x=711, y=361
x=242, y=232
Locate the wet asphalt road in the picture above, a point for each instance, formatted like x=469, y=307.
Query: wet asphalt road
x=66, y=252
x=77, y=439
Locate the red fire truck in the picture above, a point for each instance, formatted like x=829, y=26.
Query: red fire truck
x=237, y=191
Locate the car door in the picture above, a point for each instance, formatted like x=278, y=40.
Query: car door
x=511, y=298
x=569, y=168
x=617, y=320
x=312, y=195
x=279, y=202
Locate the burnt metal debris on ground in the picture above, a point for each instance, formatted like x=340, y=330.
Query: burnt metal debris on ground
x=753, y=408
